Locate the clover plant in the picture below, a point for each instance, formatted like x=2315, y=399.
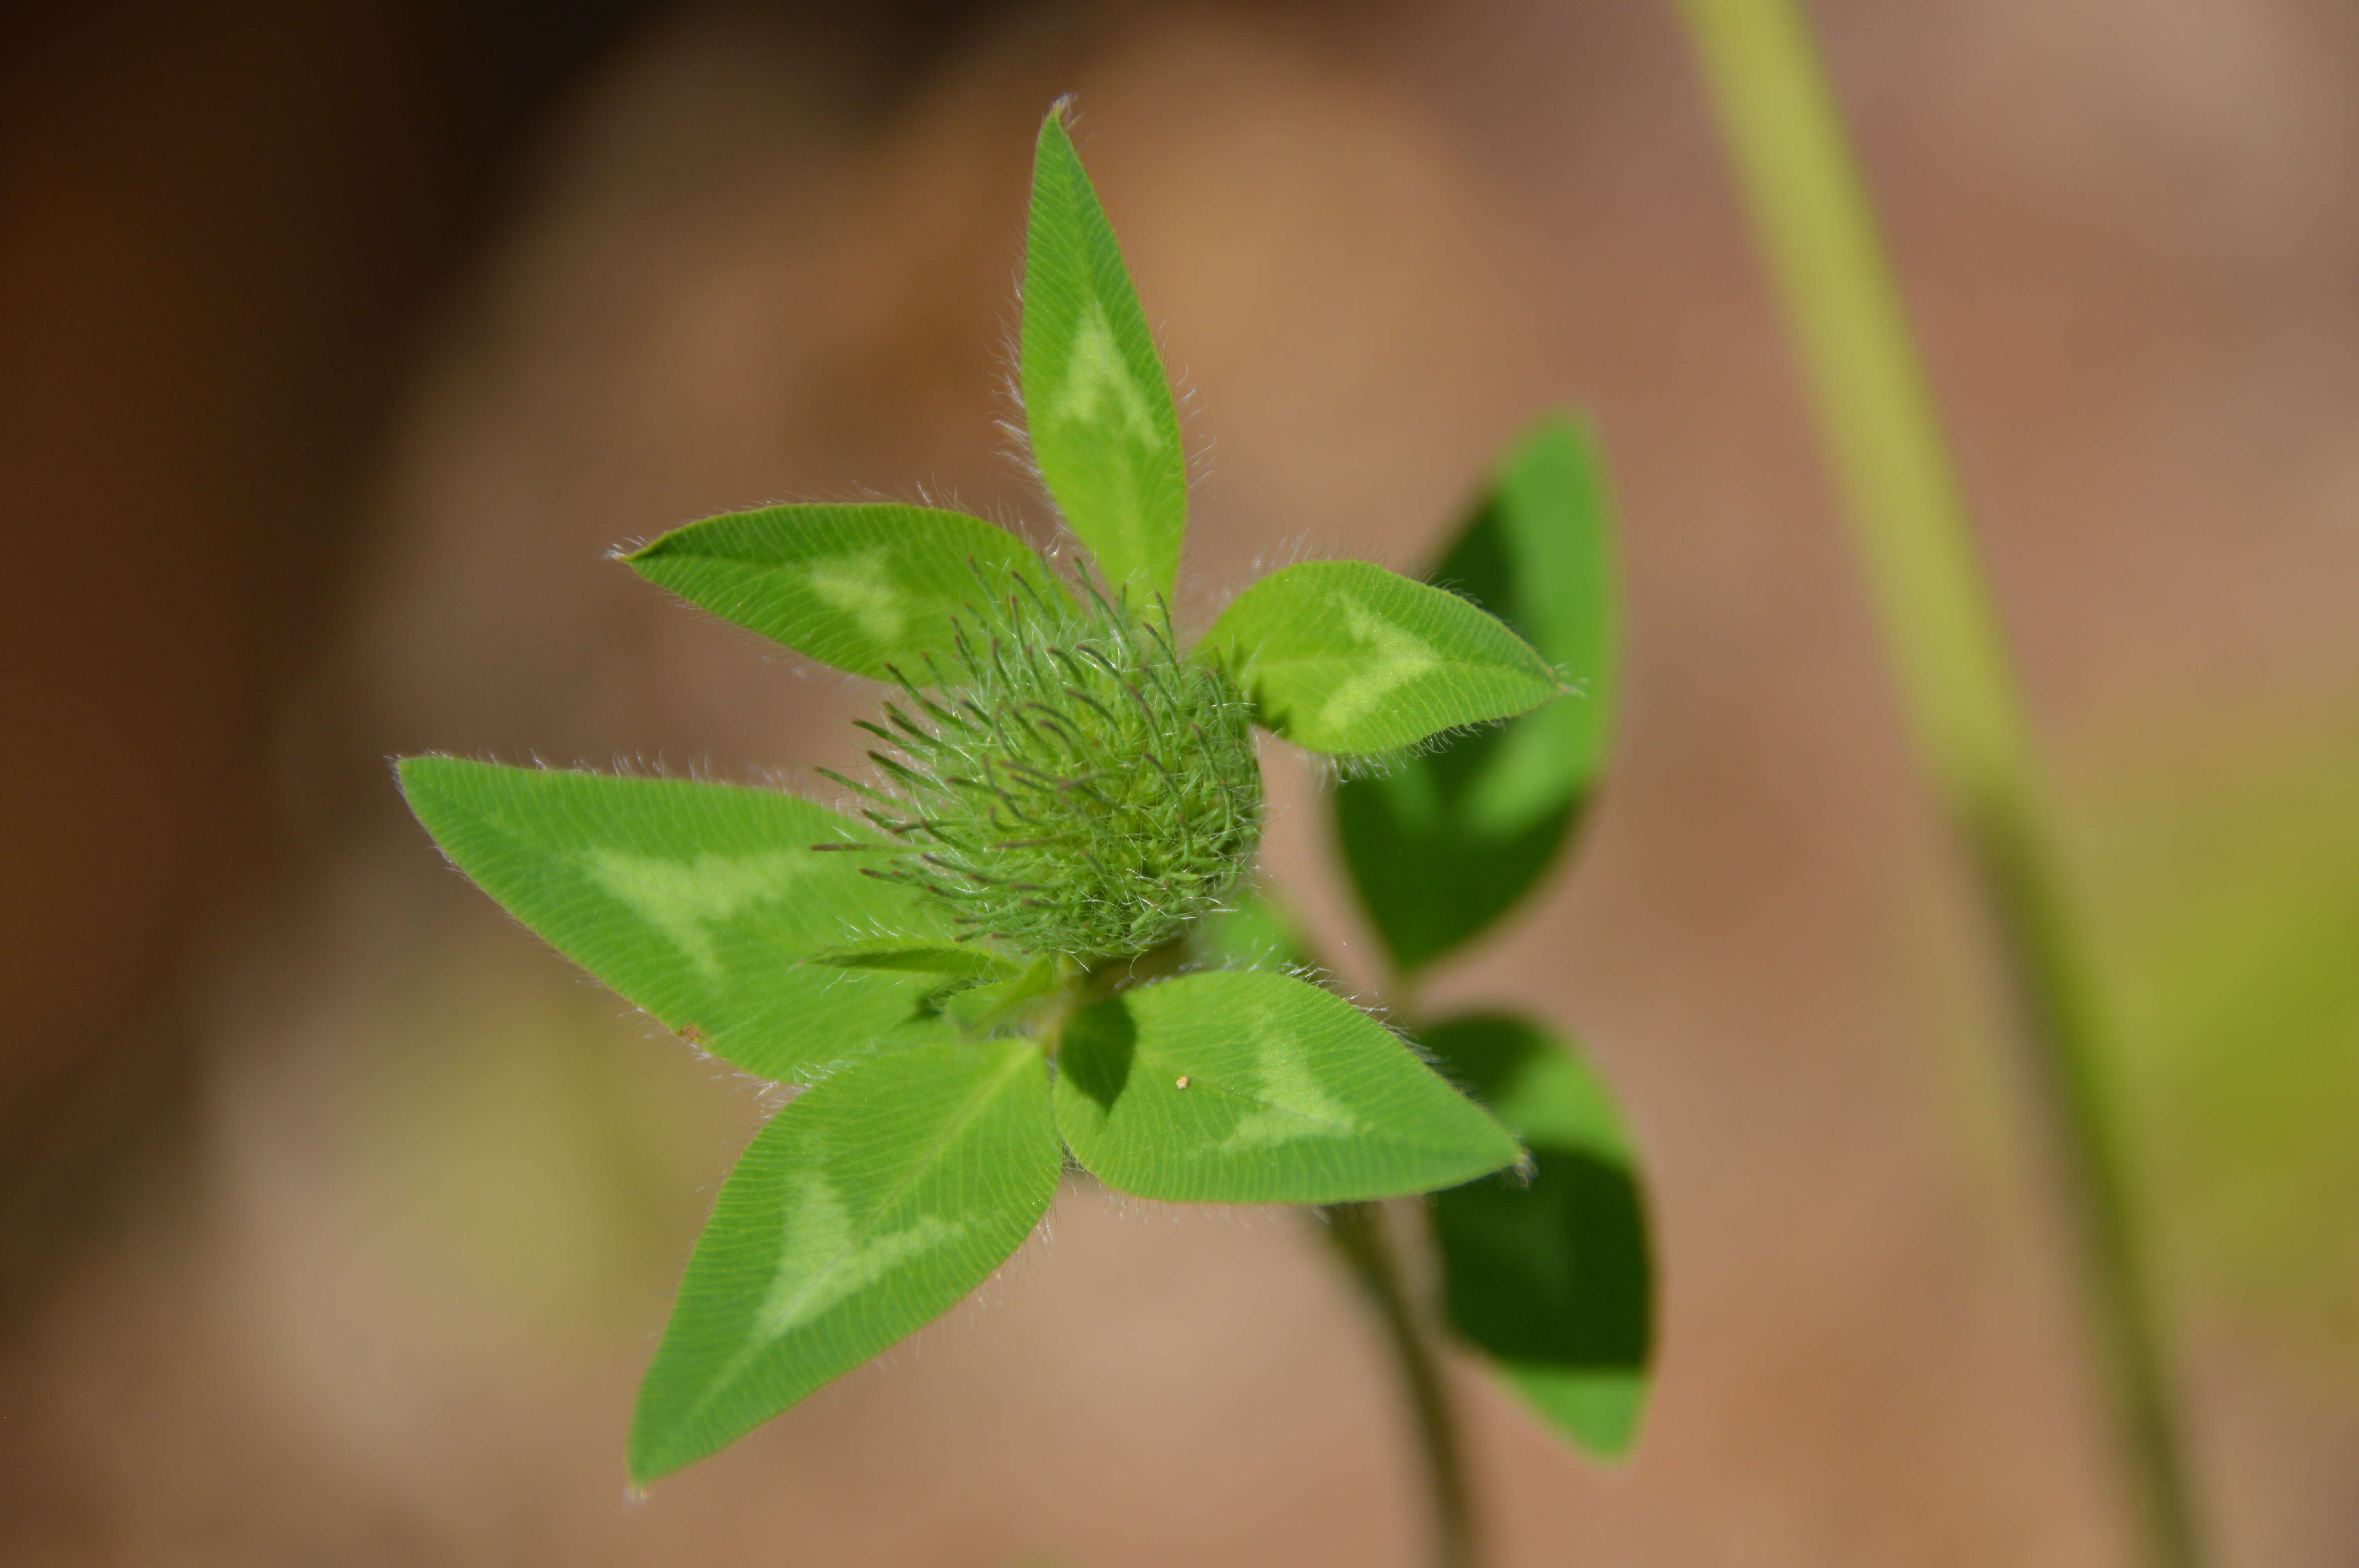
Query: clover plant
x=1027, y=938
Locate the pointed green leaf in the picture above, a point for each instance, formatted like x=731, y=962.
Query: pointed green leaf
x=1095, y=400
x=697, y=901
x=1442, y=845
x=1241, y=1087
x=1344, y=656
x=1554, y=1277
x=861, y=588
x=864, y=1210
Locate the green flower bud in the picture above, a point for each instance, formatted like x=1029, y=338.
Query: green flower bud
x=1066, y=783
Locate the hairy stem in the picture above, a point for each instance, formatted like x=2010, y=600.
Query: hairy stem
x=1911, y=526
x=1357, y=1229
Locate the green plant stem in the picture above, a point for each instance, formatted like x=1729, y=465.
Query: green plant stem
x=1357, y=1230
x=1912, y=528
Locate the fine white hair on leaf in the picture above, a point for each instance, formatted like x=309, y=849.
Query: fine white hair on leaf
x=1419, y=1049
x=1330, y=769
x=1187, y=409
x=1202, y=456
x=1292, y=551
x=770, y=776
x=1129, y=1206
x=1318, y=975
x=1310, y=545
x=1007, y=385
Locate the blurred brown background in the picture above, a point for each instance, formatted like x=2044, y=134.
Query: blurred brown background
x=337, y=343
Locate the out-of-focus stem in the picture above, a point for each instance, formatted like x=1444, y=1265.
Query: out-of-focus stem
x=1357, y=1229
x=1910, y=521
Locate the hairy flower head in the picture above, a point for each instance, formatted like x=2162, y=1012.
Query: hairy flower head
x=1065, y=782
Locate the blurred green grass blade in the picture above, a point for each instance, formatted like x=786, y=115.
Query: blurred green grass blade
x=1096, y=404
x=865, y=1210
x=1348, y=658
x=1292, y=1094
x=860, y=587
x=1442, y=845
x=1554, y=1279
x=1816, y=224
x=697, y=901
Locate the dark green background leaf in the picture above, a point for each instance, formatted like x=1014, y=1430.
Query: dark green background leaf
x=1095, y=401
x=1442, y=845
x=859, y=587
x=697, y=901
x=1293, y=1096
x=1554, y=1279
x=1348, y=658
x=865, y=1210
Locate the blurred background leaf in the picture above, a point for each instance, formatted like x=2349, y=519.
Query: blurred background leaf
x=1441, y=845
x=1552, y=1277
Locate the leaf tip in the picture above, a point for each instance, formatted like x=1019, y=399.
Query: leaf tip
x=657, y=1447
x=1053, y=148
x=632, y=553
x=641, y=1467
x=408, y=773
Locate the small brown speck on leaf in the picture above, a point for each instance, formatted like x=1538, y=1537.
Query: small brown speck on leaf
x=1180, y=1082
